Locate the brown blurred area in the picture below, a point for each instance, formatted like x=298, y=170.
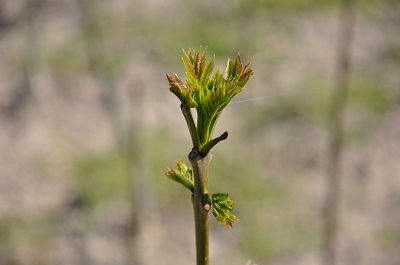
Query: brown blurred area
x=87, y=126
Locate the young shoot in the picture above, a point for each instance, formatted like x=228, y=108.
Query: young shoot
x=208, y=94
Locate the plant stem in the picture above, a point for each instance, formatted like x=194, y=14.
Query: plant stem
x=191, y=125
x=336, y=138
x=201, y=204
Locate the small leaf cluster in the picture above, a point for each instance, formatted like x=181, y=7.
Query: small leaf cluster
x=181, y=174
x=222, y=205
x=222, y=208
x=208, y=95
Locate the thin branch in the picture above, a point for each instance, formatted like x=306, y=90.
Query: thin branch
x=192, y=126
x=336, y=127
x=201, y=204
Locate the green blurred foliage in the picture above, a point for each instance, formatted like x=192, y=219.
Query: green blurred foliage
x=311, y=103
x=109, y=175
x=308, y=104
x=285, y=5
x=268, y=225
x=67, y=58
x=36, y=236
x=267, y=238
x=388, y=237
x=294, y=6
x=367, y=93
x=101, y=177
x=10, y=230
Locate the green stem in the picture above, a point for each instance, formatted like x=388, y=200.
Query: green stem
x=191, y=125
x=201, y=204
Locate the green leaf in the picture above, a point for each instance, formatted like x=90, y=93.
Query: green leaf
x=207, y=72
x=222, y=208
x=181, y=174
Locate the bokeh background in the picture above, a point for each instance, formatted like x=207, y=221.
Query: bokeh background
x=88, y=125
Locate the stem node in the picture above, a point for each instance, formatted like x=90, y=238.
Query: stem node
x=201, y=204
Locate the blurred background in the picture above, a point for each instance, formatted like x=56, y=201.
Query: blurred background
x=88, y=125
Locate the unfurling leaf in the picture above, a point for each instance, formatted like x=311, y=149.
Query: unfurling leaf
x=208, y=96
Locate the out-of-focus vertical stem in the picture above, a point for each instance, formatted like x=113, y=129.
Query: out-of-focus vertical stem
x=336, y=128
x=23, y=91
x=201, y=205
x=95, y=52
